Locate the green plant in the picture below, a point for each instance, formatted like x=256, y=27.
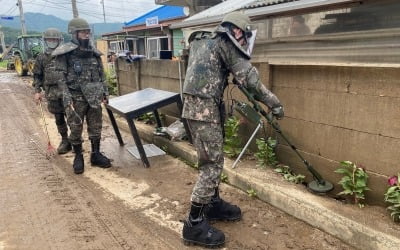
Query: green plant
x=251, y=192
x=266, y=152
x=164, y=148
x=3, y=64
x=354, y=181
x=288, y=175
x=147, y=118
x=111, y=81
x=392, y=196
x=232, y=140
x=189, y=163
x=224, y=178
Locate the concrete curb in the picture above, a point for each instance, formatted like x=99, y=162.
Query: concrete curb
x=346, y=222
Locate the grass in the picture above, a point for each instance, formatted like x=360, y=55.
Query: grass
x=3, y=64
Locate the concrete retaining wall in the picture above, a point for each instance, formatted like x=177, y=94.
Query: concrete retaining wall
x=333, y=113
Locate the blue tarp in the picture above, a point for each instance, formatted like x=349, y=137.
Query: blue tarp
x=163, y=13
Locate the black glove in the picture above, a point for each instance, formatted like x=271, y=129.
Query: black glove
x=278, y=112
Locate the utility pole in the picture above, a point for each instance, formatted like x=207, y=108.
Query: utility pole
x=104, y=12
x=2, y=43
x=21, y=17
x=74, y=9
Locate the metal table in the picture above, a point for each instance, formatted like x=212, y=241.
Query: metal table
x=134, y=104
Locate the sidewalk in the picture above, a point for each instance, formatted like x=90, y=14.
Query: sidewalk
x=368, y=228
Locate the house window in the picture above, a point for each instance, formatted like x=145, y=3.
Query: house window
x=358, y=34
x=117, y=46
x=154, y=45
x=360, y=18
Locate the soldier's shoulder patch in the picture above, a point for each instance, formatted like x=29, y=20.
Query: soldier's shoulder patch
x=64, y=48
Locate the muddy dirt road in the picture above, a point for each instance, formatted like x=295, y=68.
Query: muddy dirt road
x=43, y=205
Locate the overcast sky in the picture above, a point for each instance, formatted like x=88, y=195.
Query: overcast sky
x=91, y=10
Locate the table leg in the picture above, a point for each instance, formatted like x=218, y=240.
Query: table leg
x=157, y=116
x=138, y=143
x=115, y=126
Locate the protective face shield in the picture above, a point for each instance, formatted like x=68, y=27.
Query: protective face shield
x=52, y=38
x=51, y=43
x=242, y=22
x=250, y=41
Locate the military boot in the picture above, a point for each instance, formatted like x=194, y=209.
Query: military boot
x=218, y=209
x=196, y=229
x=97, y=158
x=64, y=147
x=79, y=164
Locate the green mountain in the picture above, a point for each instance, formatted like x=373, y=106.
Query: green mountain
x=37, y=22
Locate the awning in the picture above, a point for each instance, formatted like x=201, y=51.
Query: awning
x=252, y=9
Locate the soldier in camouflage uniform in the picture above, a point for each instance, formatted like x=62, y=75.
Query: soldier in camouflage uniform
x=81, y=78
x=45, y=79
x=212, y=57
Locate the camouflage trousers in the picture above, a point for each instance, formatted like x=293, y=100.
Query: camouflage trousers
x=94, y=120
x=56, y=107
x=208, y=141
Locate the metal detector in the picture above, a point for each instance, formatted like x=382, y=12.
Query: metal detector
x=318, y=185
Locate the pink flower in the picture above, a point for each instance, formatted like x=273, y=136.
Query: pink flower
x=393, y=181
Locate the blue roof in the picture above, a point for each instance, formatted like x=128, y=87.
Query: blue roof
x=165, y=12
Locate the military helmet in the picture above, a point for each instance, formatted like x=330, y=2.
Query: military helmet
x=238, y=19
x=77, y=24
x=52, y=33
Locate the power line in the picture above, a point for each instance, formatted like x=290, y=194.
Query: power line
x=113, y=14
x=12, y=9
x=90, y=12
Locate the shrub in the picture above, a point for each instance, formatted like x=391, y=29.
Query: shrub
x=232, y=141
x=392, y=196
x=266, y=152
x=354, y=181
x=288, y=175
x=111, y=81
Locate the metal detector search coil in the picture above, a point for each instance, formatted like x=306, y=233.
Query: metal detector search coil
x=318, y=185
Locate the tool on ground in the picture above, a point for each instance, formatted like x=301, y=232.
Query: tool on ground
x=248, y=112
x=319, y=185
x=51, y=151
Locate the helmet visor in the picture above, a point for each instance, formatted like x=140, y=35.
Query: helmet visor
x=250, y=39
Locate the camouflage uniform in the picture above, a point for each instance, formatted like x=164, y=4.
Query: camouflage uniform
x=83, y=84
x=212, y=58
x=84, y=89
x=45, y=79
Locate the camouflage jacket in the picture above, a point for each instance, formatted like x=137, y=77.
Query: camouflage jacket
x=81, y=75
x=211, y=60
x=45, y=77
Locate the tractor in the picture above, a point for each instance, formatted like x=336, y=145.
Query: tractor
x=24, y=53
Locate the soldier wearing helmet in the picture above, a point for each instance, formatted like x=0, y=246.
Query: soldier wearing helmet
x=212, y=58
x=82, y=80
x=44, y=78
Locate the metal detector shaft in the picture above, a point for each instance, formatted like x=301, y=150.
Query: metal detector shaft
x=275, y=126
x=247, y=144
